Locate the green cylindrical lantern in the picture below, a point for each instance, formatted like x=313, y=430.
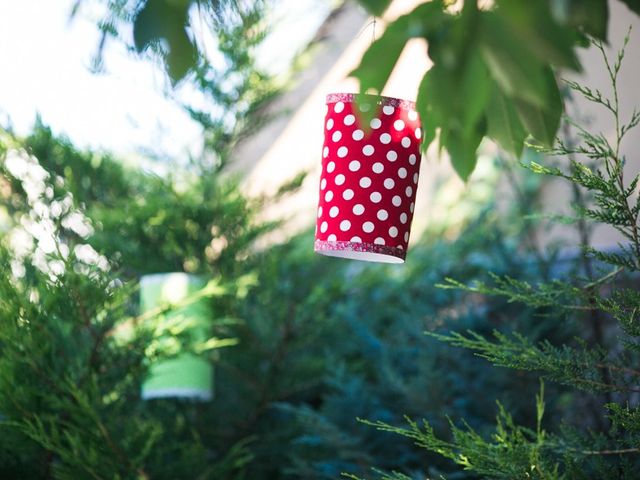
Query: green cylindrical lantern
x=186, y=375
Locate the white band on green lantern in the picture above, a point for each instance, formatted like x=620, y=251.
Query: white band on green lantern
x=186, y=375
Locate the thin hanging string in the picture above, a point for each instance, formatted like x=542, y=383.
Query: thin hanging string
x=373, y=31
x=372, y=24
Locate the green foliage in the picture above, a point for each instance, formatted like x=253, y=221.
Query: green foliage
x=331, y=351
x=166, y=28
x=160, y=20
x=493, y=69
x=322, y=342
x=376, y=7
x=70, y=384
x=195, y=224
x=581, y=366
x=592, y=16
x=597, y=291
x=69, y=324
x=174, y=33
x=515, y=452
x=312, y=351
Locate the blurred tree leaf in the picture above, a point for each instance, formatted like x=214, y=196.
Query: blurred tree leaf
x=234, y=87
x=455, y=103
x=532, y=23
x=429, y=116
x=167, y=20
x=589, y=15
x=462, y=147
x=373, y=74
x=503, y=123
x=376, y=7
x=473, y=91
x=454, y=94
x=509, y=87
x=518, y=72
x=543, y=122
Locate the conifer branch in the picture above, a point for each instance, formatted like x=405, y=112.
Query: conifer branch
x=622, y=451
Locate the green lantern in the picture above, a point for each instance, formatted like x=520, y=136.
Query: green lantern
x=186, y=375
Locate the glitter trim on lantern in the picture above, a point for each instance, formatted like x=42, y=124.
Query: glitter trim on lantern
x=361, y=251
x=378, y=100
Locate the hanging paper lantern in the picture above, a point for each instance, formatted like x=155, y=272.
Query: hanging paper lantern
x=369, y=178
x=185, y=375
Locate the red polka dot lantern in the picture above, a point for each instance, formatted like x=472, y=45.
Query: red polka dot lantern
x=369, y=178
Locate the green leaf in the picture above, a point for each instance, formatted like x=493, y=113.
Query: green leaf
x=589, y=16
x=542, y=122
x=534, y=27
x=436, y=103
x=462, y=149
x=375, y=7
x=148, y=26
x=454, y=99
x=429, y=117
x=454, y=93
x=504, y=125
x=166, y=20
x=511, y=63
x=182, y=56
x=473, y=92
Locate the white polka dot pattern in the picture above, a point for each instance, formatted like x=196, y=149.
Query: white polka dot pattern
x=369, y=178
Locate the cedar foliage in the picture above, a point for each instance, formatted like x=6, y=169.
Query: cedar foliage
x=73, y=351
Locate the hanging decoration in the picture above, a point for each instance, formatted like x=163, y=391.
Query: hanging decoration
x=369, y=178
x=186, y=375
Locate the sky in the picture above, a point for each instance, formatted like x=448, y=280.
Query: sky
x=45, y=69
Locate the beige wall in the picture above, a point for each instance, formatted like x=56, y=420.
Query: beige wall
x=292, y=142
x=598, y=119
